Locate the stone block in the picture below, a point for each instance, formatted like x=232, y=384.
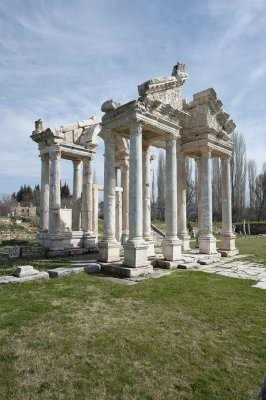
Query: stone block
x=207, y=244
x=7, y=280
x=15, y=252
x=127, y=272
x=25, y=270
x=135, y=254
x=165, y=264
x=109, y=251
x=172, y=249
x=68, y=136
x=74, y=270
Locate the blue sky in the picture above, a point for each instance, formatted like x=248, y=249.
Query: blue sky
x=61, y=59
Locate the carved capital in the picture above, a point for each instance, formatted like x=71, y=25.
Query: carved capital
x=109, y=137
x=136, y=126
x=55, y=155
x=45, y=157
x=206, y=153
x=180, y=157
x=225, y=159
x=171, y=140
x=76, y=164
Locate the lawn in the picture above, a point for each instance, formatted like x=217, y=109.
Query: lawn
x=188, y=335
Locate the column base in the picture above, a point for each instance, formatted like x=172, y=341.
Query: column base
x=151, y=251
x=172, y=249
x=125, y=237
x=185, y=241
x=135, y=254
x=56, y=241
x=207, y=244
x=89, y=240
x=227, y=246
x=109, y=251
x=228, y=242
x=42, y=238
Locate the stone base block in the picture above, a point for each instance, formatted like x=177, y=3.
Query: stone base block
x=161, y=263
x=89, y=240
x=151, y=251
x=228, y=242
x=185, y=238
x=228, y=253
x=135, y=254
x=56, y=241
x=109, y=251
x=7, y=280
x=25, y=270
x=127, y=272
x=172, y=249
x=207, y=244
x=74, y=270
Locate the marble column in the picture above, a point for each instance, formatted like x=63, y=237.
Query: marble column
x=76, y=195
x=86, y=209
x=207, y=242
x=125, y=199
x=171, y=245
x=44, y=200
x=109, y=248
x=135, y=248
x=55, y=236
x=198, y=161
x=95, y=210
x=146, y=161
x=227, y=246
x=118, y=214
x=182, y=201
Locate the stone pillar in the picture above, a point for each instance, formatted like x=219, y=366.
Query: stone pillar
x=125, y=200
x=76, y=195
x=182, y=201
x=88, y=239
x=207, y=242
x=118, y=214
x=109, y=248
x=198, y=161
x=171, y=245
x=44, y=200
x=95, y=211
x=135, y=248
x=55, y=236
x=146, y=161
x=227, y=246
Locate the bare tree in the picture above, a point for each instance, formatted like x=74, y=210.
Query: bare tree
x=252, y=174
x=261, y=194
x=238, y=176
x=161, y=186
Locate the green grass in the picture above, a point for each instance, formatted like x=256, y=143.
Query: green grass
x=255, y=246
x=189, y=335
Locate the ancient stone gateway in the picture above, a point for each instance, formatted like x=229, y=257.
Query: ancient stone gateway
x=160, y=118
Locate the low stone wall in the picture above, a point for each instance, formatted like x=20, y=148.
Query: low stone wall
x=7, y=235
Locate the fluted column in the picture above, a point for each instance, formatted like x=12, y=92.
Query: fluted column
x=55, y=195
x=136, y=247
x=227, y=236
x=109, y=247
x=207, y=242
x=87, y=195
x=118, y=214
x=44, y=200
x=171, y=245
x=146, y=182
x=125, y=199
x=199, y=202
x=182, y=201
x=95, y=210
x=76, y=195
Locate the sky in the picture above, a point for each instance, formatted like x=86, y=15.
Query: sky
x=61, y=59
